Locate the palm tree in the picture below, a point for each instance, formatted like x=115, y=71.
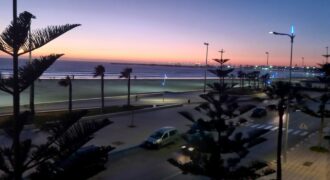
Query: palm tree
x=126, y=73
x=14, y=42
x=99, y=71
x=65, y=83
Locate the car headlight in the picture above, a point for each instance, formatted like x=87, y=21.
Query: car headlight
x=157, y=141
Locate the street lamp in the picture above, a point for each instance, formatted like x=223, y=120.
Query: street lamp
x=291, y=36
x=207, y=49
x=30, y=61
x=267, y=53
x=302, y=61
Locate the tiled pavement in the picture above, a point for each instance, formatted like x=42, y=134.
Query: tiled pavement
x=304, y=164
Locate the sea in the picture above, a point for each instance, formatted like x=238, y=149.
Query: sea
x=85, y=69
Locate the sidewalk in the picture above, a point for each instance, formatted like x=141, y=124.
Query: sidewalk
x=304, y=164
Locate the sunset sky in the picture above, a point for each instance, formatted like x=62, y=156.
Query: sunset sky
x=173, y=31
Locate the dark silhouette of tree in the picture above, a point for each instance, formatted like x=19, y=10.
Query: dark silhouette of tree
x=219, y=157
x=126, y=73
x=66, y=82
x=322, y=112
x=284, y=92
x=14, y=42
x=51, y=160
x=99, y=71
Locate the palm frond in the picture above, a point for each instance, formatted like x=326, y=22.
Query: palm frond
x=6, y=85
x=29, y=73
x=41, y=37
x=41, y=154
x=32, y=71
x=126, y=73
x=78, y=135
x=99, y=71
x=65, y=82
x=19, y=33
x=66, y=121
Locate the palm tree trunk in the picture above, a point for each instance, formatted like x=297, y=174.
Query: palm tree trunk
x=279, y=144
x=102, y=93
x=16, y=102
x=129, y=91
x=70, y=98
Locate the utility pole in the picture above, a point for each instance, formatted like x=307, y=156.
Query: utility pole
x=205, y=71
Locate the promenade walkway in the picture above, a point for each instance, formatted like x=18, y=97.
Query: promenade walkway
x=304, y=164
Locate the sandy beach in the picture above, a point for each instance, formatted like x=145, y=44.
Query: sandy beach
x=49, y=91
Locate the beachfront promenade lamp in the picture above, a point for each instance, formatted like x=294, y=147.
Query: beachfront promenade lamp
x=291, y=36
x=205, y=71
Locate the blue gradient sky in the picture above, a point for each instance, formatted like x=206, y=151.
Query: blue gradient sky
x=174, y=31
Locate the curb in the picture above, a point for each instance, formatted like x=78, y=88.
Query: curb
x=109, y=115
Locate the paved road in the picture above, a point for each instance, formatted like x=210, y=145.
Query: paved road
x=153, y=165
x=146, y=164
x=140, y=163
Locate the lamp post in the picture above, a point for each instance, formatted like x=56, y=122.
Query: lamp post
x=30, y=61
x=302, y=61
x=221, y=65
x=267, y=53
x=291, y=36
x=326, y=55
x=205, y=71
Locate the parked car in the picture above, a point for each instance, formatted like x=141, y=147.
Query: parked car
x=259, y=112
x=162, y=137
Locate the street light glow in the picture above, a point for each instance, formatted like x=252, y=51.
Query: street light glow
x=292, y=29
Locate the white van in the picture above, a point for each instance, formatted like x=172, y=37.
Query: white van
x=162, y=137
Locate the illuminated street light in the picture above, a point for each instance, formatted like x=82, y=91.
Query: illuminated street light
x=291, y=36
x=207, y=49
